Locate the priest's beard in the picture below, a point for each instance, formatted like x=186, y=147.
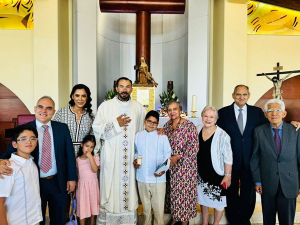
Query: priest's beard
x=124, y=96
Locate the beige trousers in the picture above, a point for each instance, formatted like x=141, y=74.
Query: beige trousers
x=153, y=196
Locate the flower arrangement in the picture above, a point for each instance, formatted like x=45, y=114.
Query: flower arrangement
x=165, y=98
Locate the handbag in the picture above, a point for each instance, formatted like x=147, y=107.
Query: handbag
x=73, y=212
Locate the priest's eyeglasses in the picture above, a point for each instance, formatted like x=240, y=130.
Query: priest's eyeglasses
x=26, y=139
x=274, y=110
x=151, y=122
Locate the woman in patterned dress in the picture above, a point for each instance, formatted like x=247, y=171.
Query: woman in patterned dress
x=214, y=165
x=78, y=115
x=183, y=138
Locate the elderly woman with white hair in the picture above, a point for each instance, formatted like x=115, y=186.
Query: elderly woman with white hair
x=214, y=162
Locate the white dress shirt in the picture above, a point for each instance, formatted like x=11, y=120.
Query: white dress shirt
x=22, y=192
x=154, y=149
x=244, y=112
x=40, y=129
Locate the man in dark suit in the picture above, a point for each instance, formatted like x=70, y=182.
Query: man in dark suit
x=239, y=120
x=55, y=159
x=275, y=165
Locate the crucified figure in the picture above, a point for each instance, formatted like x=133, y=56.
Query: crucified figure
x=277, y=93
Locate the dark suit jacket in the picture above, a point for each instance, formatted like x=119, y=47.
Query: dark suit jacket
x=269, y=168
x=64, y=153
x=241, y=145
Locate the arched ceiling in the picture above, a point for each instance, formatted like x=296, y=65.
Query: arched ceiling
x=289, y=4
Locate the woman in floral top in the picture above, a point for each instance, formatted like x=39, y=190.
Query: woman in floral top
x=78, y=115
x=183, y=138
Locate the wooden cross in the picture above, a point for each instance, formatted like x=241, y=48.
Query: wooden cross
x=278, y=73
x=143, y=10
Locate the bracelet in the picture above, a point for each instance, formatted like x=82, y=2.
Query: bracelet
x=227, y=174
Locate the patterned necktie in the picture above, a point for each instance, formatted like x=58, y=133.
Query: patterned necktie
x=277, y=140
x=240, y=121
x=46, y=160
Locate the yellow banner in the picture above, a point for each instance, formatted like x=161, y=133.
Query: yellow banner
x=268, y=19
x=16, y=14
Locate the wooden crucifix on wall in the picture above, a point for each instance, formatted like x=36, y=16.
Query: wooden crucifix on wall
x=143, y=10
x=277, y=82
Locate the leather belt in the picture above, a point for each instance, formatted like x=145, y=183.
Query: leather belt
x=49, y=177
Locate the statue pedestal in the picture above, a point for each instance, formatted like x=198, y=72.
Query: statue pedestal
x=144, y=94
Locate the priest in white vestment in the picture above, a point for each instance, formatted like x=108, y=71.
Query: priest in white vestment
x=115, y=125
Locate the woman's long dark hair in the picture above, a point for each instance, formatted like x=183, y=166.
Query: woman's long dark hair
x=88, y=105
x=86, y=139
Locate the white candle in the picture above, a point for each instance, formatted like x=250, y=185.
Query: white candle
x=194, y=102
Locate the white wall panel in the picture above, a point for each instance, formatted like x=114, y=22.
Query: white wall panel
x=108, y=65
x=156, y=70
x=127, y=28
x=127, y=60
x=173, y=27
x=108, y=25
x=173, y=64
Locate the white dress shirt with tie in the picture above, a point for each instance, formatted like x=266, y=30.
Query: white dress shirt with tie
x=40, y=129
x=237, y=112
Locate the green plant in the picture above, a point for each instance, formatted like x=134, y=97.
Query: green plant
x=166, y=97
x=110, y=94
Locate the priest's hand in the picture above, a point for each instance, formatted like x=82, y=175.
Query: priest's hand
x=174, y=159
x=137, y=166
x=123, y=120
x=160, y=174
x=4, y=169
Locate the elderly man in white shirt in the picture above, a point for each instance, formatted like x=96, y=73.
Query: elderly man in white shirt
x=154, y=149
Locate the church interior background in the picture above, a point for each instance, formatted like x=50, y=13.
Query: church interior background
x=206, y=52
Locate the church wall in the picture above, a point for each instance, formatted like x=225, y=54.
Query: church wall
x=199, y=20
x=29, y=59
x=16, y=63
x=84, y=45
x=264, y=51
x=116, y=51
x=229, y=64
x=238, y=57
x=64, y=53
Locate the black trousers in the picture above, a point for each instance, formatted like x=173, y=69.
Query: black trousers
x=51, y=194
x=240, y=206
x=285, y=207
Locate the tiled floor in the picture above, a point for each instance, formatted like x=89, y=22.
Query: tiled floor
x=255, y=220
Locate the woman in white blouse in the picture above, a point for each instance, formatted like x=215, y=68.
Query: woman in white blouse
x=214, y=162
x=78, y=115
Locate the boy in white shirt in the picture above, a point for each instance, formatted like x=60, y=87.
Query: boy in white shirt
x=20, y=201
x=154, y=149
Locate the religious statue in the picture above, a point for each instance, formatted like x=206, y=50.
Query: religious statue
x=277, y=93
x=170, y=85
x=144, y=76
